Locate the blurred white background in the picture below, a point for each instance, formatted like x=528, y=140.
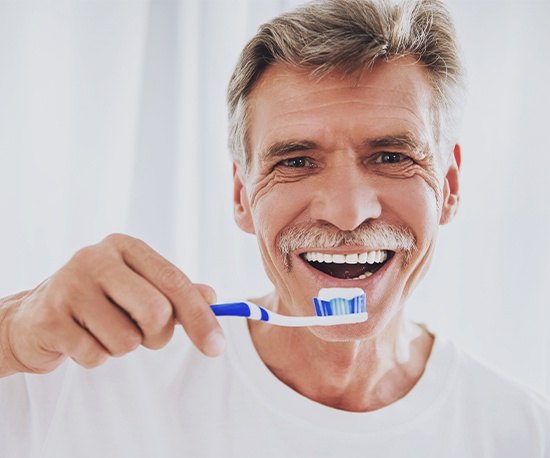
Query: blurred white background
x=113, y=119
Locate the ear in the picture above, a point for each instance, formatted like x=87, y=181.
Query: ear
x=241, y=206
x=451, y=188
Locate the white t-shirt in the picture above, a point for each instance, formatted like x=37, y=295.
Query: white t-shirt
x=177, y=403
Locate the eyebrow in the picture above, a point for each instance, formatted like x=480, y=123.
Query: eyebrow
x=401, y=140
x=282, y=148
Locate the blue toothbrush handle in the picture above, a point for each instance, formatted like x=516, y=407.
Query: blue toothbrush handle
x=240, y=309
x=231, y=309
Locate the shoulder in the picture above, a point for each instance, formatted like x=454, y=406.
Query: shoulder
x=489, y=381
x=496, y=399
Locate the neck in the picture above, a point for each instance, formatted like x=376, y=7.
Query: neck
x=359, y=375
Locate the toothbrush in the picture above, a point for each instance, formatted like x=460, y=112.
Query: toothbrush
x=332, y=305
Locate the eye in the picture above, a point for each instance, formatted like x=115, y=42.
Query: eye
x=391, y=158
x=296, y=163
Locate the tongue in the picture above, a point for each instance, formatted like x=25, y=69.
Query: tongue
x=340, y=270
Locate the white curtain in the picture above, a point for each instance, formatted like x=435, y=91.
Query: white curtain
x=112, y=119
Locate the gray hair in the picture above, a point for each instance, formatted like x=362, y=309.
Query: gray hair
x=347, y=35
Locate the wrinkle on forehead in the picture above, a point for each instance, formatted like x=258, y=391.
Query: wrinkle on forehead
x=285, y=92
x=319, y=108
x=406, y=86
x=378, y=101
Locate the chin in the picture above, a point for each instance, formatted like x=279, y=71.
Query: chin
x=351, y=332
x=341, y=333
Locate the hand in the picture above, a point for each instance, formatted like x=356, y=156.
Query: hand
x=106, y=301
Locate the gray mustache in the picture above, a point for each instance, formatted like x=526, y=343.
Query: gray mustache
x=375, y=234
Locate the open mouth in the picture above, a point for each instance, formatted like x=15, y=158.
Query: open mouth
x=355, y=266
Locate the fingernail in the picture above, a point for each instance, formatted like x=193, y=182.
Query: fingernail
x=215, y=344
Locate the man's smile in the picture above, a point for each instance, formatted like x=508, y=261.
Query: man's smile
x=357, y=265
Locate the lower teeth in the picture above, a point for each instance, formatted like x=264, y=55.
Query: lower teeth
x=363, y=276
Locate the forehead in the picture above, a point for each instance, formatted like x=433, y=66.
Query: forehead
x=390, y=98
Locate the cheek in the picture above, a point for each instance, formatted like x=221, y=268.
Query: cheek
x=275, y=205
x=415, y=204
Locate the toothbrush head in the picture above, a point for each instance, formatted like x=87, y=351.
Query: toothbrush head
x=340, y=301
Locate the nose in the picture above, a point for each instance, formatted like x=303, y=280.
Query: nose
x=345, y=198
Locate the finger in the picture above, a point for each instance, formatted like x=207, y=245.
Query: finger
x=190, y=307
x=78, y=344
x=110, y=325
x=207, y=292
x=151, y=311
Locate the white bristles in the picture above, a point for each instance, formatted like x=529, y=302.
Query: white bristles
x=328, y=294
x=340, y=306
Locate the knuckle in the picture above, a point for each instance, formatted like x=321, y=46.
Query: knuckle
x=121, y=241
x=87, y=263
x=62, y=293
x=135, y=243
x=161, y=339
x=161, y=312
x=172, y=279
x=114, y=239
x=84, y=255
x=91, y=263
x=63, y=281
x=127, y=342
x=90, y=356
x=156, y=315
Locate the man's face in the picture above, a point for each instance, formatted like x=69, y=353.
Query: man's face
x=346, y=187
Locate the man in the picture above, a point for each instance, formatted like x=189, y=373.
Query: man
x=343, y=131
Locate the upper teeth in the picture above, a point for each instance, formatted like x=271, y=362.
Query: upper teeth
x=369, y=257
